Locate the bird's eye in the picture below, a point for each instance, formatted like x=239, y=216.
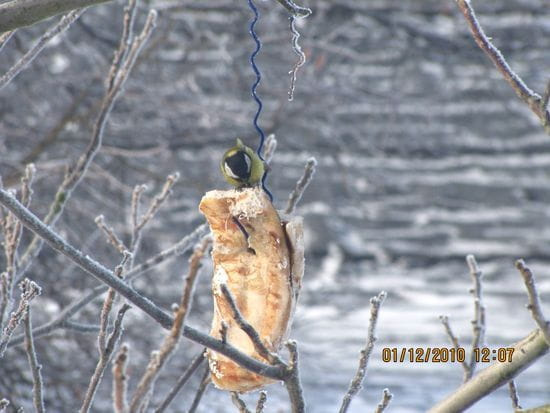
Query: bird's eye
x=238, y=165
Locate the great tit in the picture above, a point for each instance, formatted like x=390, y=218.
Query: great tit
x=241, y=166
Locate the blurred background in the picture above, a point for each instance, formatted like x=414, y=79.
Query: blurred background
x=425, y=155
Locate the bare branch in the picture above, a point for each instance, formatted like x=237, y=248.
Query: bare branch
x=5, y=38
x=514, y=395
x=356, y=384
x=478, y=323
x=78, y=170
x=248, y=328
x=534, y=305
x=238, y=402
x=160, y=357
x=292, y=381
x=269, y=148
x=111, y=235
x=37, y=388
x=205, y=381
x=261, y=402
x=195, y=364
x=29, y=290
x=120, y=380
x=28, y=57
x=301, y=186
x=525, y=353
x=295, y=10
x=385, y=402
x=19, y=13
x=62, y=320
x=105, y=354
x=454, y=340
x=532, y=99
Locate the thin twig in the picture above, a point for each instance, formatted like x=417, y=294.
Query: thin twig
x=29, y=290
x=160, y=357
x=269, y=148
x=17, y=13
x=356, y=384
x=478, y=323
x=120, y=380
x=184, y=378
x=261, y=402
x=248, y=328
x=532, y=99
x=110, y=234
x=456, y=345
x=78, y=170
x=5, y=38
x=239, y=403
x=28, y=57
x=105, y=354
x=37, y=388
x=205, y=381
x=292, y=380
x=384, y=403
x=301, y=186
x=62, y=319
x=534, y=305
x=295, y=10
x=514, y=395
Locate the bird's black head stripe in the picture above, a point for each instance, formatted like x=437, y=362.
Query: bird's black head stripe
x=240, y=164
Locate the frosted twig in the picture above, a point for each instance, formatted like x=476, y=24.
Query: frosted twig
x=294, y=9
x=534, y=305
x=28, y=57
x=5, y=38
x=17, y=13
x=456, y=345
x=239, y=403
x=356, y=384
x=101, y=273
x=62, y=319
x=184, y=378
x=514, y=395
x=29, y=290
x=77, y=171
x=120, y=380
x=4, y=404
x=105, y=354
x=301, y=57
x=111, y=235
x=301, y=186
x=545, y=97
x=37, y=388
x=532, y=99
x=292, y=381
x=478, y=323
x=205, y=381
x=124, y=43
x=385, y=402
x=269, y=148
x=261, y=402
x=160, y=357
x=158, y=200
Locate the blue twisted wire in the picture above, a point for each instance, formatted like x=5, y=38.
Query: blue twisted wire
x=255, y=86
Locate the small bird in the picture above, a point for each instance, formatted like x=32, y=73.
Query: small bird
x=241, y=166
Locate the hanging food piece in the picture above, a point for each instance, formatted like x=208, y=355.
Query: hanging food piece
x=261, y=261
